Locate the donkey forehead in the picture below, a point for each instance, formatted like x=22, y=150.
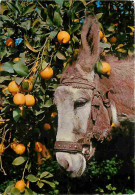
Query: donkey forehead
x=68, y=92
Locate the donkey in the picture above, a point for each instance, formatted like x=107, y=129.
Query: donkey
x=88, y=103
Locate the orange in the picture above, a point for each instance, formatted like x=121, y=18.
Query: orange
x=63, y=37
x=20, y=185
x=30, y=100
x=1, y=69
x=46, y=73
x=16, y=59
x=34, y=68
x=2, y=148
x=115, y=24
x=76, y=20
x=10, y=42
x=131, y=33
x=47, y=126
x=101, y=34
x=104, y=39
x=106, y=68
x=1, y=121
x=38, y=147
x=13, y=145
x=113, y=39
x=27, y=85
x=53, y=114
x=5, y=91
x=28, y=184
x=19, y=149
x=13, y=87
x=19, y=99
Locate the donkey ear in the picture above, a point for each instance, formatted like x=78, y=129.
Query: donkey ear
x=90, y=50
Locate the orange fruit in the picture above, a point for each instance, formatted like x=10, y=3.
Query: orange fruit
x=16, y=59
x=38, y=147
x=34, y=68
x=19, y=99
x=2, y=148
x=19, y=149
x=20, y=185
x=30, y=100
x=10, y=42
x=104, y=39
x=27, y=85
x=106, y=68
x=46, y=73
x=1, y=121
x=47, y=126
x=13, y=145
x=53, y=114
x=13, y=87
x=131, y=33
x=63, y=37
x=28, y=184
x=1, y=69
x=76, y=20
x=5, y=91
x=116, y=24
x=22, y=109
x=113, y=39
x=101, y=34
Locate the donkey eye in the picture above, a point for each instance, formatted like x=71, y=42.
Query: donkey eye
x=80, y=104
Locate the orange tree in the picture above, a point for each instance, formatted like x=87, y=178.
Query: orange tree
x=39, y=39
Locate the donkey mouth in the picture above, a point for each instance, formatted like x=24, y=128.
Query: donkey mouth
x=74, y=164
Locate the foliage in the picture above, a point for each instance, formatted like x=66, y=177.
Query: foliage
x=33, y=26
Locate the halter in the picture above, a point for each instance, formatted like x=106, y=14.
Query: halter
x=77, y=147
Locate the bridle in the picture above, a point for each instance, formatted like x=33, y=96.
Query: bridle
x=85, y=142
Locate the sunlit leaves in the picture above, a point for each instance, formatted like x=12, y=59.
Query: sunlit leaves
x=21, y=69
x=19, y=160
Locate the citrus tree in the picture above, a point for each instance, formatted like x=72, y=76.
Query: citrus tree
x=39, y=39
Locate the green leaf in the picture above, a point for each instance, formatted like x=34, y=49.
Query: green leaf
x=59, y=2
x=74, y=28
x=53, y=34
x=111, y=28
x=29, y=9
x=46, y=175
x=60, y=56
x=18, y=80
x=19, y=160
x=48, y=103
x=3, y=52
x=8, y=189
x=99, y=67
x=20, y=68
x=44, y=64
x=8, y=67
x=15, y=191
x=32, y=178
x=10, y=31
x=26, y=24
x=49, y=183
x=29, y=192
x=98, y=16
x=57, y=19
x=4, y=78
x=40, y=184
x=16, y=114
x=105, y=45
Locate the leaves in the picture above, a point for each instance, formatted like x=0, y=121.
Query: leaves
x=29, y=9
x=19, y=160
x=46, y=175
x=21, y=69
x=8, y=67
x=57, y=19
x=29, y=46
x=60, y=56
x=32, y=178
x=48, y=103
x=16, y=114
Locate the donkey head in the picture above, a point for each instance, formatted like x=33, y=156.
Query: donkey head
x=74, y=99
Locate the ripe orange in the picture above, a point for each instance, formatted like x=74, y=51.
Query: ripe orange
x=113, y=39
x=46, y=73
x=76, y=20
x=30, y=100
x=13, y=87
x=1, y=121
x=19, y=99
x=27, y=85
x=63, y=37
x=116, y=24
x=38, y=147
x=19, y=149
x=104, y=39
x=16, y=59
x=101, y=34
x=106, y=68
x=53, y=114
x=10, y=42
x=13, y=145
x=47, y=126
x=22, y=109
x=2, y=148
x=5, y=91
x=20, y=185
